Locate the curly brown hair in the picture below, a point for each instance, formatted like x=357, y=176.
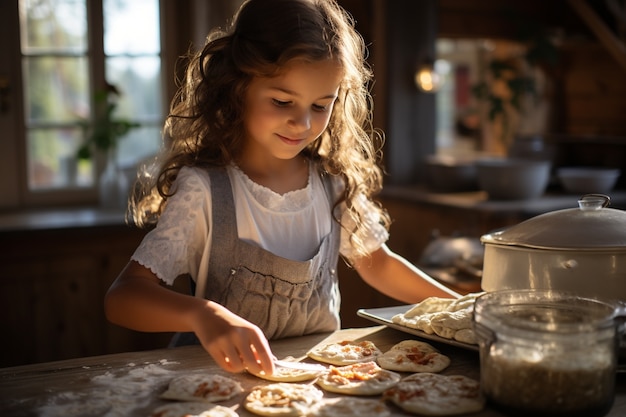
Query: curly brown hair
x=205, y=125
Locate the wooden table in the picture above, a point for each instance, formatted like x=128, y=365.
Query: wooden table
x=128, y=384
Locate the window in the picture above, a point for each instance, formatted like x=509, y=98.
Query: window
x=458, y=112
x=495, y=91
x=69, y=51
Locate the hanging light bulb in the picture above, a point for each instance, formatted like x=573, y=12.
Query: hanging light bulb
x=427, y=77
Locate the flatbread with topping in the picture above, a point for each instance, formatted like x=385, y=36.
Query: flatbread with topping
x=202, y=387
x=358, y=379
x=193, y=409
x=437, y=395
x=289, y=374
x=351, y=407
x=345, y=352
x=413, y=356
x=283, y=399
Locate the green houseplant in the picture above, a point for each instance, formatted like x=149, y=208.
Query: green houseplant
x=514, y=83
x=104, y=133
x=503, y=92
x=102, y=136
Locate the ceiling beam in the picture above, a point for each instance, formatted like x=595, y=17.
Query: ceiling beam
x=610, y=41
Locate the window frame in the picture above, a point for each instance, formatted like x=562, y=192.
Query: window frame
x=14, y=187
x=183, y=28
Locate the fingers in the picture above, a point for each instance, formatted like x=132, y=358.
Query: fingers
x=263, y=360
x=234, y=343
x=236, y=355
x=264, y=357
x=228, y=359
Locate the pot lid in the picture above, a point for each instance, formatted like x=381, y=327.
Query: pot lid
x=591, y=226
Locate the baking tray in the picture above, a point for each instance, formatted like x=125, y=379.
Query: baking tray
x=383, y=315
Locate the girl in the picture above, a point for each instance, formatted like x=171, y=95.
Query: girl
x=268, y=177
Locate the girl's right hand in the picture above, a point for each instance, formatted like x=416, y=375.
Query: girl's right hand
x=234, y=343
x=137, y=300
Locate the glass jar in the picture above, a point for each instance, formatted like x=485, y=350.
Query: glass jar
x=546, y=353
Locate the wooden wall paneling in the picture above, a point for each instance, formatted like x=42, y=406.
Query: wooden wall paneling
x=50, y=309
x=119, y=339
x=16, y=306
x=52, y=286
x=601, y=30
x=594, y=151
x=602, y=116
x=590, y=70
x=504, y=19
x=66, y=308
x=595, y=86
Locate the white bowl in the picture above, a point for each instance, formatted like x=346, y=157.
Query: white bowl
x=450, y=174
x=512, y=178
x=586, y=180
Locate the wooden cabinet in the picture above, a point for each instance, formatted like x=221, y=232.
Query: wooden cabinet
x=52, y=285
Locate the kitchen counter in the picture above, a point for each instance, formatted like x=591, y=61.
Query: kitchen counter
x=478, y=201
x=475, y=201
x=60, y=218
x=128, y=384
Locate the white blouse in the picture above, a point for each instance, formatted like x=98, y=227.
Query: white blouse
x=290, y=225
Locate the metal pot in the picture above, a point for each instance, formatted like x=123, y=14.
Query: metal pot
x=581, y=250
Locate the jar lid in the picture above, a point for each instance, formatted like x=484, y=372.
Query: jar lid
x=543, y=311
x=591, y=226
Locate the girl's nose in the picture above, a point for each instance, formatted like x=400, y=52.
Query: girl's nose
x=301, y=119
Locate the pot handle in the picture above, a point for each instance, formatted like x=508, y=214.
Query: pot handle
x=620, y=316
x=590, y=202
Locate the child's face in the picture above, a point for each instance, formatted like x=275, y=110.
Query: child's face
x=286, y=113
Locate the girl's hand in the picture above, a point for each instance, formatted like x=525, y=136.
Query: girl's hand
x=137, y=300
x=234, y=343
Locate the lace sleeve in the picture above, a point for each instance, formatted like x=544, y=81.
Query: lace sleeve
x=177, y=244
x=377, y=233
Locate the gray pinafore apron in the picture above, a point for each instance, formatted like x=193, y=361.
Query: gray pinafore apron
x=283, y=297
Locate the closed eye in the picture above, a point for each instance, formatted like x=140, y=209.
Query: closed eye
x=280, y=103
x=324, y=108
x=319, y=108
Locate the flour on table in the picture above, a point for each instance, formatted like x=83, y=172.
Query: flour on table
x=111, y=394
